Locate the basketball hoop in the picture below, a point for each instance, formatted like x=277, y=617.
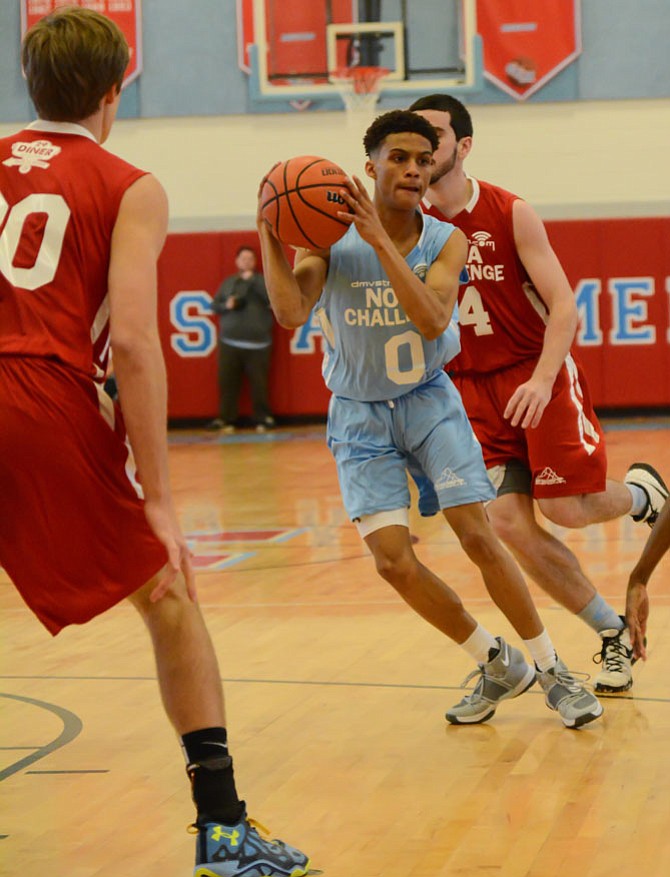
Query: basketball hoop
x=359, y=87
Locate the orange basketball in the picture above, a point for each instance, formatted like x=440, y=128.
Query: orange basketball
x=301, y=199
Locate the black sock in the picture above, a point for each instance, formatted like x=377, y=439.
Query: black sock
x=210, y=769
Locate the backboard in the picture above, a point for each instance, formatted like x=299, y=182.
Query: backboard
x=291, y=50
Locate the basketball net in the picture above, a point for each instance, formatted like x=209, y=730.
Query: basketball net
x=359, y=88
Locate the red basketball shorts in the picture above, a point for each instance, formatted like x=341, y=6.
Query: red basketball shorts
x=73, y=536
x=565, y=453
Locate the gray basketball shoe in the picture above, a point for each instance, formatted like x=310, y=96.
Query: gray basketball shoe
x=616, y=657
x=645, y=476
x=563, y=693
x=505, y=676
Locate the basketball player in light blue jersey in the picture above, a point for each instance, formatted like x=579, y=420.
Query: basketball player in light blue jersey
x=385, y=296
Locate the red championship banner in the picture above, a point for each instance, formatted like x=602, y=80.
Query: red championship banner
x=527, y=42
x=245, y=33
x=126, y=13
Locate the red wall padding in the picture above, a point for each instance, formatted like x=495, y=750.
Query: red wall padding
x=619, y=269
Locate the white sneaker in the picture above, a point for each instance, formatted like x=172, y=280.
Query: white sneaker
x=645, y=476
x=616, y=657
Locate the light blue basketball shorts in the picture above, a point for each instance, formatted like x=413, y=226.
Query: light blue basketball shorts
x=425, y=432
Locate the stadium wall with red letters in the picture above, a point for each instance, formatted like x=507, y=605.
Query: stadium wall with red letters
x=618, y=268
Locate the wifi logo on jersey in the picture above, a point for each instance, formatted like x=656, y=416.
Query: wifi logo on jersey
x=420, y=270
x=483, y=239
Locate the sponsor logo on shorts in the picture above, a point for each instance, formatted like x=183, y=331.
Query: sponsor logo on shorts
x=448, y=478
x=548, y=476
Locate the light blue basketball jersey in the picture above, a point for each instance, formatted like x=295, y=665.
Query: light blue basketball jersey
x=373, y=352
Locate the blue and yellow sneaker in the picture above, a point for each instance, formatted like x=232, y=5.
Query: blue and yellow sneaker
x=240, y=851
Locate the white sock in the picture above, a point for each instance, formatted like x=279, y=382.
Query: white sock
x=478, y=644
x=639, y=499
x=542, y=651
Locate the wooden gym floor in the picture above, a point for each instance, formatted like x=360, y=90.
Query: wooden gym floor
x=335, y=694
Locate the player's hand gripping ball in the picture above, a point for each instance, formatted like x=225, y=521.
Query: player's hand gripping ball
x=300, y=200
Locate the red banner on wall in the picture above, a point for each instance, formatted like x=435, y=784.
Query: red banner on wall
x=127, y=14
x=526, y=42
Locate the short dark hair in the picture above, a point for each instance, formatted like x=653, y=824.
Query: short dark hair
x=461, y=121
x=244, y=247
x=398, y=122
x=71, y=58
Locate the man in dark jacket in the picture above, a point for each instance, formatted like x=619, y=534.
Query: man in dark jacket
x=245, y=342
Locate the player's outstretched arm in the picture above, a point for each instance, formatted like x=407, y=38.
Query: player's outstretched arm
x=528, y=402
x=292, y=292
x=137, y=240
x=637, y=600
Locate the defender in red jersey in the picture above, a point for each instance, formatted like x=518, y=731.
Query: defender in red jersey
x=81, y=527
x=524, y=392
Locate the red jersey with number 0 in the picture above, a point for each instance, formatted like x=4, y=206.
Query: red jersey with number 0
x=502, y=317
x=60, y=193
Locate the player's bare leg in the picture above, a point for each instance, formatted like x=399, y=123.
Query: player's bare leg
x=543, y=557
x=557, y=571
x=427, y=594
x=506, y=585
x=188, y=670
x=502, y=670
x=589, y=508
x=501, y=575
x=642, y=495
x=190, y=684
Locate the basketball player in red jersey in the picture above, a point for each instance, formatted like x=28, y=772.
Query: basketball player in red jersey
x=80, y=527
x=524, y=393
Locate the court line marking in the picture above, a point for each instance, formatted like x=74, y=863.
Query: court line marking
x=328, y=604
x=317, y=432
x=40, y=772
x=312, y=682
x=72, y=726
x=618, y=426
